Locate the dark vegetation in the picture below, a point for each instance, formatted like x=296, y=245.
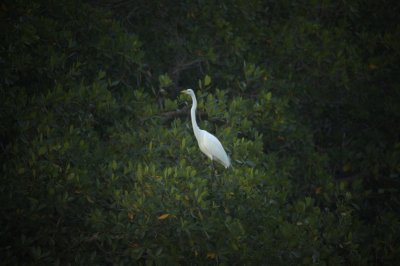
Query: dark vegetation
x=100, y=165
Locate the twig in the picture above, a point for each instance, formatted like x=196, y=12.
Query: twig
x=181, y=113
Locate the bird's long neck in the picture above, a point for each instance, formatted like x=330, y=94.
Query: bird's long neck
x=196, y=128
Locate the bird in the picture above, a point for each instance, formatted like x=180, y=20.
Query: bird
x=207, y=142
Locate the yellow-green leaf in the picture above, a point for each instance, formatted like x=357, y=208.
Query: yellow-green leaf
x=164, y=80
x=164, y=216
x=268, y=96
x=42, y=150
x=102, y=74
x=207, y=80
x=114, y=165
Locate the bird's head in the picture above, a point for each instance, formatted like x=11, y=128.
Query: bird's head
x=188, y=92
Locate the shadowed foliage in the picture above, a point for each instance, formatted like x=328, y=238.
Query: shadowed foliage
x=100, y=165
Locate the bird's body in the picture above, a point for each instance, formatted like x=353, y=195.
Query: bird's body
x=208, y=143
x=211, y=147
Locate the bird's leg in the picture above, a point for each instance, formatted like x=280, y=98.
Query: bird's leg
x=214, y=173
x=212, y=169
x=214, y=182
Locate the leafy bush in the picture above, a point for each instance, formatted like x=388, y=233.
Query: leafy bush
x=100, y=165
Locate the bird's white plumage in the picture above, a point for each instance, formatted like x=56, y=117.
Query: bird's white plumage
x=211, y=147
x=208, y=143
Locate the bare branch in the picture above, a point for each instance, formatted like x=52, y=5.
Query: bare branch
x=182, y=113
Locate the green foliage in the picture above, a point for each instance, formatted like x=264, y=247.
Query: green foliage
x=99, y=168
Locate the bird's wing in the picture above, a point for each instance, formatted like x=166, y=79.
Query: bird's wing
x=212, y=147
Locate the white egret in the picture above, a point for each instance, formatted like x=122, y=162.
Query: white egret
x=208, y=143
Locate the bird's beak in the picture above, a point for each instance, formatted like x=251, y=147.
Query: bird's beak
x=184, y=92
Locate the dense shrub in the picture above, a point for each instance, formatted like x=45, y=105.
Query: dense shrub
x=100, y=165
